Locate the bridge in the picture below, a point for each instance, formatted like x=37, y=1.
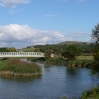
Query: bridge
x=21, y=54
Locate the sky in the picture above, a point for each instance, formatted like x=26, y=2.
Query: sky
x=31, y=22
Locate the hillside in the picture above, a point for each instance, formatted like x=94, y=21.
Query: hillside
x=73, y=42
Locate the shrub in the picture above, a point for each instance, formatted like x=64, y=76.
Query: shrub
x=91, y=94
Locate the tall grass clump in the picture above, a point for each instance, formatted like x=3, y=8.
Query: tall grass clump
x=18, y=66
x=56, y=61
x=80, y=63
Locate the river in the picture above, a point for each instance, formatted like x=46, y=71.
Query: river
x=54, y=83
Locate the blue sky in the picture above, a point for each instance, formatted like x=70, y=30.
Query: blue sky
x=30, y=22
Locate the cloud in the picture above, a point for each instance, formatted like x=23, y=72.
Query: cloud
x=12, y=11
x=20, y=36
x=14, y=35
x=80, y=36
x=12, y=3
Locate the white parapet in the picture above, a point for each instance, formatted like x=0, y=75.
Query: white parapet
x=21, y=54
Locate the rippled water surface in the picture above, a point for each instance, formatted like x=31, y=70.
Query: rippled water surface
x=54, y=83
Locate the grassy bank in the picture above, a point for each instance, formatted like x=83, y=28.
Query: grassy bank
x=17, y=67
x=91, y=94
x=81, y=61
x=85, y=57
x=55, y=61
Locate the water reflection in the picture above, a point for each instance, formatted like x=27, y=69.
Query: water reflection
x=55, y=82
x=73, y=71
x=20, y=78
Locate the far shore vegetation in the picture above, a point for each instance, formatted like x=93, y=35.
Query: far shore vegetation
x=81, y=61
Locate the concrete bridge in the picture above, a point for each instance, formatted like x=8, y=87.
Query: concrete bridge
x=21, y=54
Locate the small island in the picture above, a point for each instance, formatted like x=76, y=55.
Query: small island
x=16, y=67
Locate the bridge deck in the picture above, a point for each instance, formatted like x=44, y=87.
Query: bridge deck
x=21, y=54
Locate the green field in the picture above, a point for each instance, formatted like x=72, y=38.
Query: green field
x=85, y=57
x=29, y=49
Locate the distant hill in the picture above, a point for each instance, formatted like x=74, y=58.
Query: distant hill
x=73, y=42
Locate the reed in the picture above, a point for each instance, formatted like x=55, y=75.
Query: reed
x=18, y=66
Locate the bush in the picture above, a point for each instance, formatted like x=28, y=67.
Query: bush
x=91, y=94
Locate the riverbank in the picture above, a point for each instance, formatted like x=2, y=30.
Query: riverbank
x=81, y=61
x=16, y=67
x=91, y=94
x=55, y=81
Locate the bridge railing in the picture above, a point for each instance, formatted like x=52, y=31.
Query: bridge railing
x=21, y=54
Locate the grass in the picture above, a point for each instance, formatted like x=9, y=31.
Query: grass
x=91, y=94
x=56, y=61
x=85, y=57
x=18, y=66
x=80, y=63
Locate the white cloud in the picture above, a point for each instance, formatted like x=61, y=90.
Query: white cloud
x=12, y=11
x=12, y=3
x=80, y=36
x=22, y=35
x=19, y=36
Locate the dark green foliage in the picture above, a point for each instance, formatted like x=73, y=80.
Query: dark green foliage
x=5, y=49
x=95, y=65
x=95, y=34
x=35, y=59
x=47, y=54
x=80, y=63
x=75, y=63
x=71, y=52
x=91, y=94
x=57, y=49
x=95, y=37
x=11, y=49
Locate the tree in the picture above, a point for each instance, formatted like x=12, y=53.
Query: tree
x=95, y=37
x=5, y=49
x=47, y=54
x=71, y=52
x=95, y=34
x=36, y=50
x=11, y=49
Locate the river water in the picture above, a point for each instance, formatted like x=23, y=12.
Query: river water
x=54, y=83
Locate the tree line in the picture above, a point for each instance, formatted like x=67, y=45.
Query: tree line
x=5, y=49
